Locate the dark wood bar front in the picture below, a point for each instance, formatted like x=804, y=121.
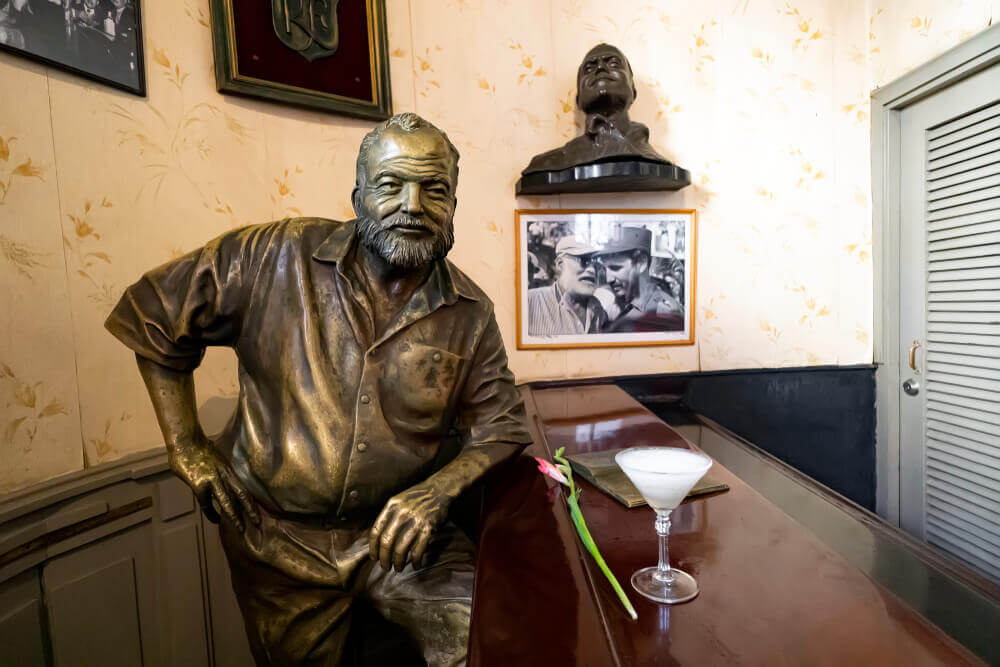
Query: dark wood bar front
x=771, y=593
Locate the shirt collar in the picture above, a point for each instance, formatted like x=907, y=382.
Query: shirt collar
x=337, y=244
x=445, y=283
x=648, y=288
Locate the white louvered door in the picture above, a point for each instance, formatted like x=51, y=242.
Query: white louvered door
x=950, y=305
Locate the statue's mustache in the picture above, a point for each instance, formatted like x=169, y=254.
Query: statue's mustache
x=404, y=221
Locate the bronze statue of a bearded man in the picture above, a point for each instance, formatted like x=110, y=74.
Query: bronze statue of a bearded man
x=361, y=349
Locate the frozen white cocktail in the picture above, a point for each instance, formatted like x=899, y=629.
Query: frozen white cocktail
x=663, y=475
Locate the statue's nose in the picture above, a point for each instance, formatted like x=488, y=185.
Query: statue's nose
x=411, y=199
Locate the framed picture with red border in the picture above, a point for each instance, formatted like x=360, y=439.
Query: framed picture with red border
x=330, y=55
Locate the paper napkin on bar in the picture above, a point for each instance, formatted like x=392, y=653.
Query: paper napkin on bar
x=600, y=469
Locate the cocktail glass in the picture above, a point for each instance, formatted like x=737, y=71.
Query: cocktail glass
x=663, y=475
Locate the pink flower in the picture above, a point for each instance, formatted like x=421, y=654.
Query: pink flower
x=547, y=468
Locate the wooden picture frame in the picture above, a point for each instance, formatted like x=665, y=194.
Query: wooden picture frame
x=643, y=277
x=251, y=60
x=100, y=42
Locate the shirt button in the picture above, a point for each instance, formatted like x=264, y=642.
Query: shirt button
x=437, y=356
x=362, y=446
x=353, y=495
x=365, y=399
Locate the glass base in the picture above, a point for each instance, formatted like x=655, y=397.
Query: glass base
x=681, y=588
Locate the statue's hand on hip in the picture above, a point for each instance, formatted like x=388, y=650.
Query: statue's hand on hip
x=404, y=528
x=211, y=479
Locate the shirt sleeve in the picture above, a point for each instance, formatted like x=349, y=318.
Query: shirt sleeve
x=492, y=409
x=178, y=309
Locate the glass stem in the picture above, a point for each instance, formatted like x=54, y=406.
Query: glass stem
x=663, y=572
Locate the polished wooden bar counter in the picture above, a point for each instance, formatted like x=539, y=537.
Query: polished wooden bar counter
x=771, y=592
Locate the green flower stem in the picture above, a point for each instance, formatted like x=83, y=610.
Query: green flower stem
x=588, y=541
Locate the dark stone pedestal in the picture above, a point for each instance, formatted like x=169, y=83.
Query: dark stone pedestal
x=617, y=176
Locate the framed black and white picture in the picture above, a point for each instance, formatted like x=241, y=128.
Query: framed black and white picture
x=602, y=278
x=98, y=39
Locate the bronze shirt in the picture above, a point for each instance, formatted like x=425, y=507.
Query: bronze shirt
x=329, y=421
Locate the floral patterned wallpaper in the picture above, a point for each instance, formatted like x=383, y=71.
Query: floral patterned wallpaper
x=765, y=102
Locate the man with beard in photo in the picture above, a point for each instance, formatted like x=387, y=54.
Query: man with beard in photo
x=361, y=348
x=568, y=305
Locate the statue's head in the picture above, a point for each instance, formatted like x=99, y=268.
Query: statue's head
x=404, y=196
x=604, y=81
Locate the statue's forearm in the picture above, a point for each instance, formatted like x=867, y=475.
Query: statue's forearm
x=471, y=464
x=190, y=453
x=173, y=397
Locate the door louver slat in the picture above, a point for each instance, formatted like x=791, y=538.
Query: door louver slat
x=963, y=167
x=960, y=449
x=966, y=524
x=969, y=371
x=964, y=225
x=965, y=187
x=960, y=401
x=963, y=359
x=941, y=132
x=988, y=477
x=980, y=150
x=967, y=422
x=973, y=530
x=991, y=387
x=964, y=134
x=972, y=196
x=972, y=141
x=957, y=549
x=970, y=295
x=964, y=177
x=971, y=246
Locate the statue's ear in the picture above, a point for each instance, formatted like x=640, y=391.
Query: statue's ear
x=356, y=200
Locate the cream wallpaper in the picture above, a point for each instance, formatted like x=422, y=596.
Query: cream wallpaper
x=765, y=102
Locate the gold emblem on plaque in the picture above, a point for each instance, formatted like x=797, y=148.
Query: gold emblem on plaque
x=307, y=26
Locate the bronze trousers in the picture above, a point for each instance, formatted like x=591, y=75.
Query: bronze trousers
x=296, y=581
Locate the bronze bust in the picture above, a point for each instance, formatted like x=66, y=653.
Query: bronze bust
x=361, y=350
x=613, y=153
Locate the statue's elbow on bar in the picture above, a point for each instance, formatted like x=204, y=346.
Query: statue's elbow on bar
x=361, y=348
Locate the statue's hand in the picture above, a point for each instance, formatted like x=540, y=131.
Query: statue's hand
x=211, y=478
x=404, y=528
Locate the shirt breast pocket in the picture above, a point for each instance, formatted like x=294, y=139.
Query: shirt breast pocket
x=421, y=383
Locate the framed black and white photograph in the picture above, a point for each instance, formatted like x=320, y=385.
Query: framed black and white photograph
x=98, y=39
x=602, y=278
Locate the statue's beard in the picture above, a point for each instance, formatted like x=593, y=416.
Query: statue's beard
x=401, y=251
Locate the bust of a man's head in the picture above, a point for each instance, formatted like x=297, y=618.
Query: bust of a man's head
x=605, y=89
x=604, y=81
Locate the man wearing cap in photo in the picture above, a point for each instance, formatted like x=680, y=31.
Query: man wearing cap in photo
x=639, y=304
x=568, y=305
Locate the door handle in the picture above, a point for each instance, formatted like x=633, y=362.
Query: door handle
x=913, y=356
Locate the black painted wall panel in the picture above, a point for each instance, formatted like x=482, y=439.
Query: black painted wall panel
x=819, y=420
